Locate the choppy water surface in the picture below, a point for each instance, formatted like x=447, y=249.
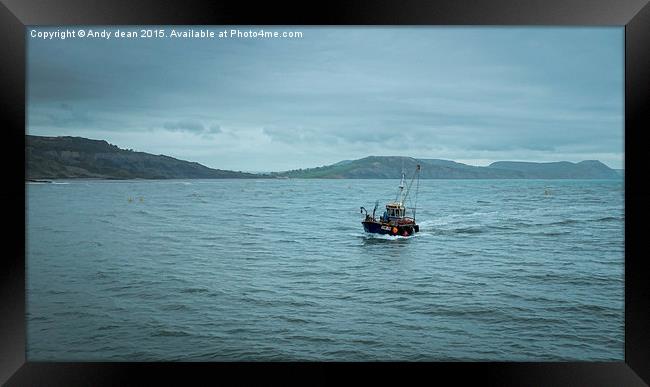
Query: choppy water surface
x=211, y=270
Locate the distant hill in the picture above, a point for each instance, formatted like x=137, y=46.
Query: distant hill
x=77, y=157
x=390, y=167
x=588, y=169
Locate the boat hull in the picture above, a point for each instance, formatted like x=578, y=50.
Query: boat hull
x=387, y=229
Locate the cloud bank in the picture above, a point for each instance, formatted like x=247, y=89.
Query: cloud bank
x=474, y=95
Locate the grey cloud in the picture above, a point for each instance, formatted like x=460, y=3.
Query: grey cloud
x=287, y=135
x=194, y=127
x=61, y=116
x=185, y=126
x=341, y=92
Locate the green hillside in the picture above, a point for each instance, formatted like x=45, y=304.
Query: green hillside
x=390, y=167
x=77, y=157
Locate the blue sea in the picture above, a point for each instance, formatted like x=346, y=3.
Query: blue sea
x=281, y=270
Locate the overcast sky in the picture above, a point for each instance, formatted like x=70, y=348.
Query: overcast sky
x=473, y=95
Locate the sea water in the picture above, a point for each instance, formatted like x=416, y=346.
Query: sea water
x=270, y=269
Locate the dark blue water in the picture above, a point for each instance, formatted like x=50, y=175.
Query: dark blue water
x=210, y=270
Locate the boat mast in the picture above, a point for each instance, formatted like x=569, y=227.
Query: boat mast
x=417, y=187
x=401, y=189
x=408, y=189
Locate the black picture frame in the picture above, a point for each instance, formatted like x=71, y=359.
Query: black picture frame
x=15, y=15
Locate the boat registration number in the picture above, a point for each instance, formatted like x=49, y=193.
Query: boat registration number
x=386, y=228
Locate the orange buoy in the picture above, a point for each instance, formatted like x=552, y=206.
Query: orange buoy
x=394, y=230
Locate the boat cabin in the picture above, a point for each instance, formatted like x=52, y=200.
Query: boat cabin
x=394, y=210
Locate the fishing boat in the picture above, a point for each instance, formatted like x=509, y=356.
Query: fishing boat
x=394, y=220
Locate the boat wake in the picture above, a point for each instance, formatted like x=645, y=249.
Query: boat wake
x=387, y=237
x=427, y=224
